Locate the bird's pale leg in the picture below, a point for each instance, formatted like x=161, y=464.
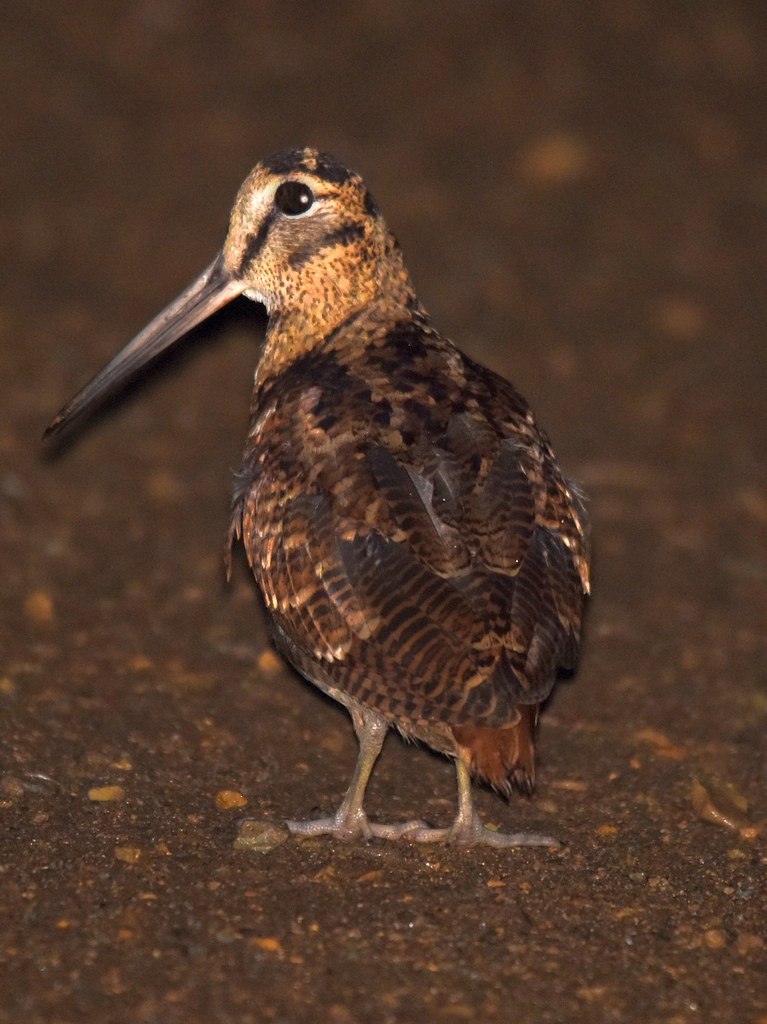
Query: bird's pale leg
x=350, y=820
x=468, y=830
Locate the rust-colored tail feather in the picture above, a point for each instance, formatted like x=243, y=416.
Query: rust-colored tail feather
x=502, y=757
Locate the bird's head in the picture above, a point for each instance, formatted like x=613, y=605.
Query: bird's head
x=305, y=239
x=302, y=227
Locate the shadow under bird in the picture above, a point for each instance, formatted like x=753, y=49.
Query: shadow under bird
x=422, y=558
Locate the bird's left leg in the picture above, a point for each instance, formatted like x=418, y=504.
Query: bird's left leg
x=468, y=830
x=350, y=820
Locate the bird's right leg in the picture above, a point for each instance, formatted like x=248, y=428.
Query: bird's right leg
x=350, y=820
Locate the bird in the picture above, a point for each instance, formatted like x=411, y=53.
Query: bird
x=421, y=556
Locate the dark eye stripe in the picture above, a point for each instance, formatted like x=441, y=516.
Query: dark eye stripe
x=344, y=235
x=255, y=244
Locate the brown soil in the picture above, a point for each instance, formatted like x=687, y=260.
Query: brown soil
x=581, y=193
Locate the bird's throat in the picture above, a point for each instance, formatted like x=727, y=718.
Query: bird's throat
x=379, y=294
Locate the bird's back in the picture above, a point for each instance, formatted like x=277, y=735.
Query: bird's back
x=413, y=537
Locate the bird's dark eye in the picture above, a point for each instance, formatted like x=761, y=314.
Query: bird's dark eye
x=293, y=197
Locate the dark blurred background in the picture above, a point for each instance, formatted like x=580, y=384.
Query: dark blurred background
x=580, y=190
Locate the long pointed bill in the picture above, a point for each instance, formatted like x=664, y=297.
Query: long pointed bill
x=212, y=290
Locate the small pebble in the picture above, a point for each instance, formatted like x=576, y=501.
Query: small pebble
x=719, y=805
x=592, y=994
x=555, y=160
x=269, y=662
x=228, y=798
x=39, y=607
x=103, y=794
x=715, y=938
x=750, y=832
x=371, y=876
x=680, y=319
x=12, y=787
x=572, y=785
x=663, y=747
x=328, y=872
x=128, y=854
x=269, y=945
x=334, y=741
x=548, y=806
x=260, y=836
x=163, y=487
x=749, y=944
x=140, y=663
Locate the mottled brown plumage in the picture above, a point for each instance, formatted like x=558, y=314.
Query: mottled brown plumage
x=422, y=558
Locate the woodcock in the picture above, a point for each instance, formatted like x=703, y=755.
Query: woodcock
x=423, y=560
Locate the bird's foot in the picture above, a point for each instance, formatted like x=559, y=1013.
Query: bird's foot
x=349, y=826
x=341, y=827
x=469, y=831
x=400, y=830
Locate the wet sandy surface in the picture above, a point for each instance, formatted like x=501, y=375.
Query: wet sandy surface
x=581, y=199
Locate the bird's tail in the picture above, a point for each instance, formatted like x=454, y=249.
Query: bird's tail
x=503, y=757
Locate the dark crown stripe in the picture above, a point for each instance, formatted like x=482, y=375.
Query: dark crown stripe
x=296, y=161
x=330, y=170
x=286, y=161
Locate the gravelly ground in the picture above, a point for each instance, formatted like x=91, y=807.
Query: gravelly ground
x=581, y=193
